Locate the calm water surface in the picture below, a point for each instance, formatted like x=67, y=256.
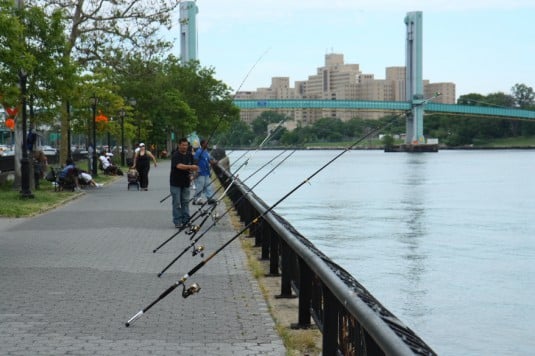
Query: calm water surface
x=446, y=241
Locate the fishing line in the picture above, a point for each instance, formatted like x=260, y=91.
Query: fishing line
x=195, y=240
x=233, y=97
x=199, y=211
x=185, y=277
x=194, y=216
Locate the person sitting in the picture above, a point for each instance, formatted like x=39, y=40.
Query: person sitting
x=86, y=178
x=106, y=165
x=68, y=177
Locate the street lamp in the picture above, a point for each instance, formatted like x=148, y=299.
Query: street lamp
x=109, y=135
x=94, y=102
x=133, y=103
x=69, y=153
x=122, y=114
x=24, y=162
x=25, y=191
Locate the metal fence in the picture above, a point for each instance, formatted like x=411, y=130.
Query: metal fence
x=351, y=320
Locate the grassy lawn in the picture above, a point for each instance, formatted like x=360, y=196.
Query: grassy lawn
x=45, y=198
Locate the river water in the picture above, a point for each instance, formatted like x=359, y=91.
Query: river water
x=446, y=241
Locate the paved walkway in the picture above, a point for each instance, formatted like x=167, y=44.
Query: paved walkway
x=72, y=277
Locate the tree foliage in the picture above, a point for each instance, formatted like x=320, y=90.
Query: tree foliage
x=172, y=98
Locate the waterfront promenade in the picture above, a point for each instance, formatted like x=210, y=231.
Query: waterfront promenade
x=72, y=277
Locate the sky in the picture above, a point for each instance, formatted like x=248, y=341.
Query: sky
x=483, y=46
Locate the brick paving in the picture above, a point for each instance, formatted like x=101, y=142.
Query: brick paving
x=72, y=277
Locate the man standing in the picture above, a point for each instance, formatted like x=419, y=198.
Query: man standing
x=181, y=166
x=203, y=182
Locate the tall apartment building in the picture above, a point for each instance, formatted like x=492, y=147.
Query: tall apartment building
x=279, y=89
x=339, y=81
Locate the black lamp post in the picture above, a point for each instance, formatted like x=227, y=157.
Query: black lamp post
x=109, y=137
x=25, y=191
x=69, y=153
x=94, y=101
x=121, y=114
x=24, y=162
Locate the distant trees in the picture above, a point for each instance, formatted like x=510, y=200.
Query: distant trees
x=450, y=129
x=335, y=130
x=524, y=96
x=462, y=129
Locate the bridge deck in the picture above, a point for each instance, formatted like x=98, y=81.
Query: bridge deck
x=383, y=105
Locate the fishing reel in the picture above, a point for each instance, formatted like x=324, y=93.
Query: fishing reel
x=193, y=229
x=198, y=250
x=194, y=288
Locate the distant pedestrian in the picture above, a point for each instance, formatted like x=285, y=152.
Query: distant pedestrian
x=181, y=167
x=40, y=166
x=142, y=164
x=203, y=182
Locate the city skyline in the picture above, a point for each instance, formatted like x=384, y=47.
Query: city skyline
x=481, y=46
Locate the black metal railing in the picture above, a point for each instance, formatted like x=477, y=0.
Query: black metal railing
x=351, y=320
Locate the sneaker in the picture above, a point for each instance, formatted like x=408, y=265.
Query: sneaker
x=99, y=185
x=212, y=201
x=198, y=202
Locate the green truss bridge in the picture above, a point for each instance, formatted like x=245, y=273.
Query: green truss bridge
x=490, y=111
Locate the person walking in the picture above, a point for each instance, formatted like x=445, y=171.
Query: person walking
x=179, y=182
x=203, y=182
x=142, y=164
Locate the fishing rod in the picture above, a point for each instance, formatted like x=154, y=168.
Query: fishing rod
x=195, y=288
x=233, y=97
x=197, y=250
x=194, y=217
x=194, y=242
x=268, y=137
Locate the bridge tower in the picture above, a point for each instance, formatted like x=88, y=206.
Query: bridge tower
x=414, y=88
x=188, y=31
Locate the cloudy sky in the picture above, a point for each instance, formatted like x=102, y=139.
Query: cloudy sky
x=484, y=46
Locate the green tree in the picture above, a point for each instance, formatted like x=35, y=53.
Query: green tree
x=175, y=98
x=260, y=124
x=102, y=32
x=32, y=44
x=239, y=134
x=524, y=96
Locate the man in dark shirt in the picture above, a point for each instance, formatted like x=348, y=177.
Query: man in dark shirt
x=181, y=166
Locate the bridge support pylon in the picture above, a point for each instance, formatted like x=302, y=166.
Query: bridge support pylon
x=414, y=88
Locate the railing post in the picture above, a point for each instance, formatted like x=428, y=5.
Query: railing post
x=330, y=323
x=286, y=272
x=273, y=253
x=265, y=240
x=305, y=292
x=258, y=233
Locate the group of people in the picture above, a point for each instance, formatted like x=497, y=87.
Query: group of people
x=184, y=165
x=74, y=175
x=188, y=167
